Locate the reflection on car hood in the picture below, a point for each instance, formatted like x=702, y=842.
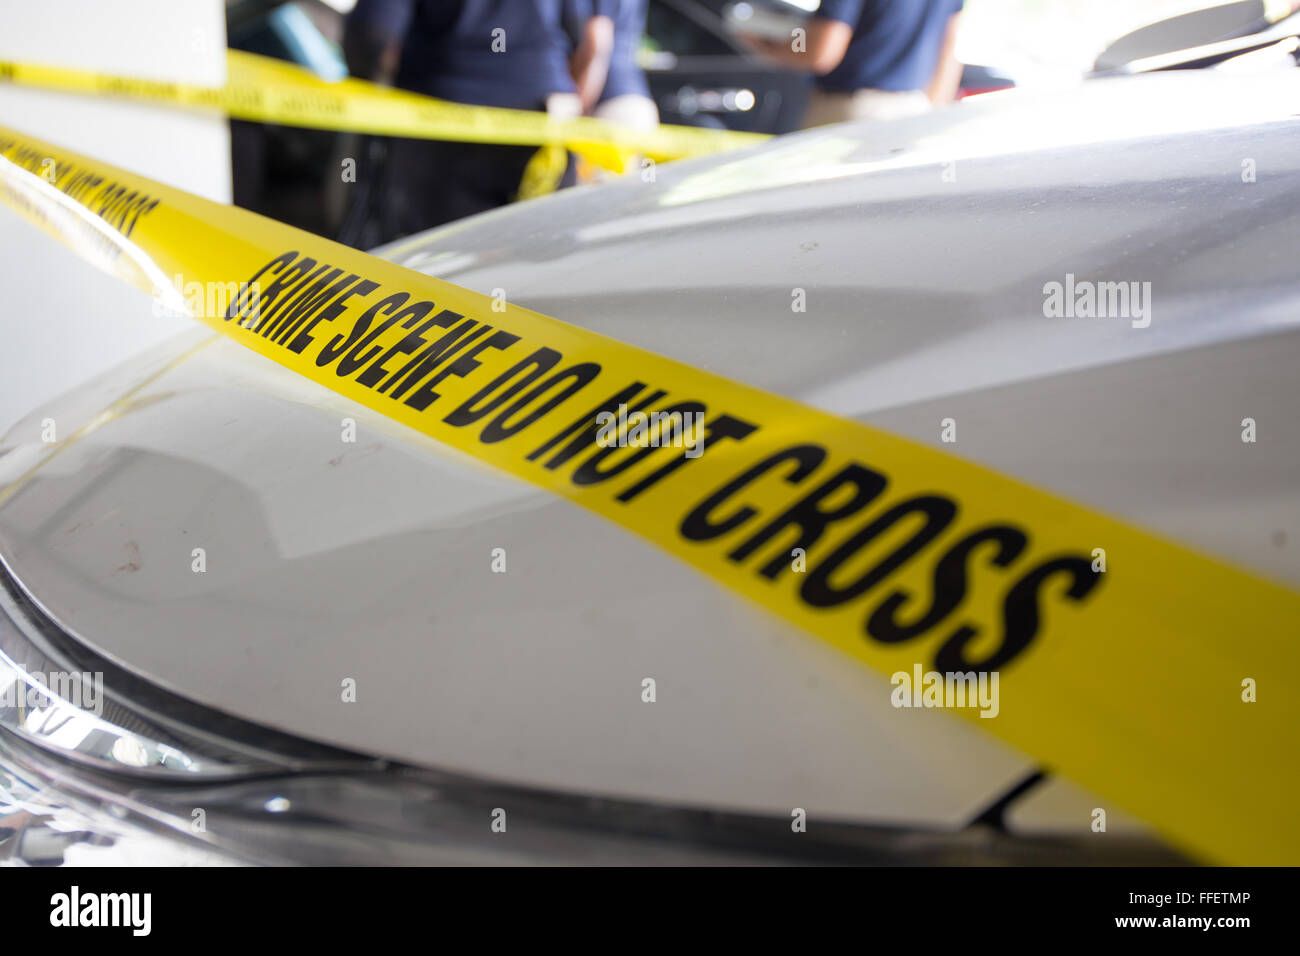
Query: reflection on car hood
x=920, y=250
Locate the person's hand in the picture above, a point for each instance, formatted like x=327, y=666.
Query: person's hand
x=763, y=46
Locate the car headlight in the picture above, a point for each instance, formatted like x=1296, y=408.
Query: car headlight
x=98, y=765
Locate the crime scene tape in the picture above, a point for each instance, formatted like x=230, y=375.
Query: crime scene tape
x=1127, y=680
x=265, y=90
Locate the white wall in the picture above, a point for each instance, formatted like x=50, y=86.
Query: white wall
x=61, y=320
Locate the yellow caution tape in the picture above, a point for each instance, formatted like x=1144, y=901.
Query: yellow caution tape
x=1128, y=680
x=543, y=173
x=265, y=90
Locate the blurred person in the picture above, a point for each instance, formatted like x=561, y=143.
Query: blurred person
x=875, y=59
x=611, y=85
x=504, y=53
x=593, y=49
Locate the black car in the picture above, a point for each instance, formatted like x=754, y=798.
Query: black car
x=701, y=74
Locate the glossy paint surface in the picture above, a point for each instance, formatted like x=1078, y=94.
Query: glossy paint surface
x=922, y=249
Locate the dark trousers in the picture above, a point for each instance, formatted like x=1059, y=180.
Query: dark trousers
x=430, y=182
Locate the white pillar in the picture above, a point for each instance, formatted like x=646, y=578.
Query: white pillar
x=61, y=320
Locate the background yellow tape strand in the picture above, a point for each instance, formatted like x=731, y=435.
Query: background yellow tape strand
x=266, y=90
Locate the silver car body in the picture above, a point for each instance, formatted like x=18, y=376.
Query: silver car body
x=922, y=250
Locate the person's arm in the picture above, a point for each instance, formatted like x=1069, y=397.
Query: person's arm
x=372, y=30
x=826, y=42
x=590, y=62
x=946, y=81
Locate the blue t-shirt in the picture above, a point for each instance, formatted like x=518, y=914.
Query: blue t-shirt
x=629, y=24
x=895, y=45
x=448, y=47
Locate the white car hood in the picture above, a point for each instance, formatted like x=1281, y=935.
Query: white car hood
x=922, y=249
